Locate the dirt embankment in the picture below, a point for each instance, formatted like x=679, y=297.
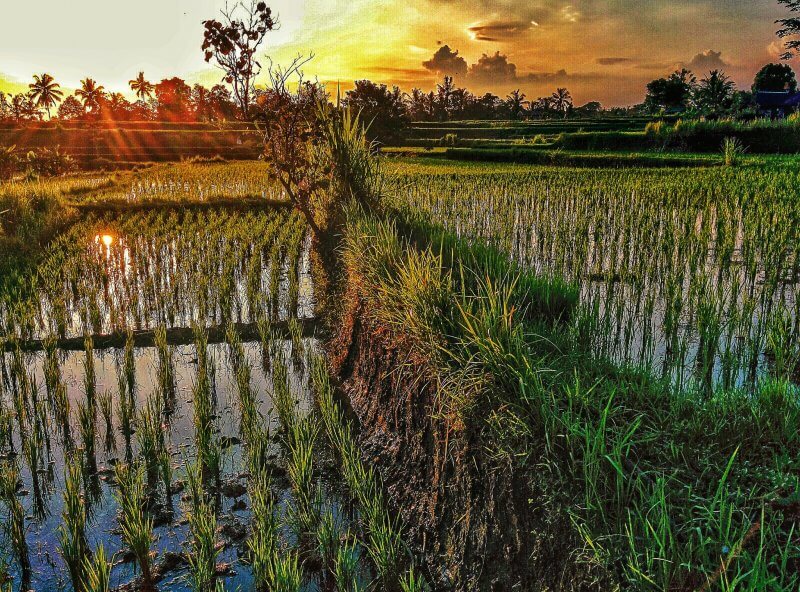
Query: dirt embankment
x=475, y=523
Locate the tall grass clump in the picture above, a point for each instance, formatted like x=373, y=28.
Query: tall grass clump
x=732, y=151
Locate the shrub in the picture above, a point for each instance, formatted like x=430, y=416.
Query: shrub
x=732, y=151
x=8, y=162
x=49, y=162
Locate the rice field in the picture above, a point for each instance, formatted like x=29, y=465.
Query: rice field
x=691, y=274
x=167, y=420
x=158, y=423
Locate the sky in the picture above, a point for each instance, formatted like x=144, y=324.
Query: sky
x=603, y=50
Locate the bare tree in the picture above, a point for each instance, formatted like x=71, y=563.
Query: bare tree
x=233, y=41
x=290, y=128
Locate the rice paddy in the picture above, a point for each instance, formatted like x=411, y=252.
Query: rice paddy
x=156, y=425
x=168, y=420
x=690, y=274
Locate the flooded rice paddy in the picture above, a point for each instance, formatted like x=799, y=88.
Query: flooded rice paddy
x=179, y=343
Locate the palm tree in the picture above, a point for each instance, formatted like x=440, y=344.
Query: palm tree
x=561, y=100
x=141, y=87
x=45, y=92
x=515, y=103
x=714, y=92
x=90, y=93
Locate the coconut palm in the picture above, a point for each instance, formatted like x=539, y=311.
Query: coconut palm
x=45, y=92
x=561, y=100
x=515, y=103
x=141, y=87
x=714, y=93
x=90, y=93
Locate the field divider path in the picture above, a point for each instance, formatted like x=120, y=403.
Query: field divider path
x=175, y=336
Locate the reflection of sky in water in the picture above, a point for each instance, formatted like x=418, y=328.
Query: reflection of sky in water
x=48, y=569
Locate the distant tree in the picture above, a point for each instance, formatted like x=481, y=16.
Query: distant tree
x=22, y=108
x=90, y=94
x=461, y=103
x=418, y=106
x=223, y=105
x=71, y=109
x=790, y=27
x=117, y=107
x=775, y=77
x=590, y=109
x=45, y=92
x=743, y=104
x=142, y=87
x=561, y=101
x=174, y=99
x=541, y=107
x=232, y=43
x=515, y=104
x=444, y=91
x=672, y=93
x=488, y=106
x=5, y=107
x=714, y=93
x=379, y=107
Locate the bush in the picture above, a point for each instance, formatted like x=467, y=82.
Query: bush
x=8, y=162
x=47, y=162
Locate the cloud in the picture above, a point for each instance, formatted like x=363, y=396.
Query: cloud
x=612, y=61
x=707, y=60
x=493, y=69
x=446, y=62
x=547, y=76
x=499, y=30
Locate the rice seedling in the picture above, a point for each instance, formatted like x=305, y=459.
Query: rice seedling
x=130, y=366
x=88, y=427
x=263, y=542
x=135, y=525
x=304, y=512
x=89, y=376
x=97, y=570
x=14, y=522
x=105, y=401
x=296, y=334
x=203, y=528
x=345, y=567
x=166, y=369
x=72, y=532
x=414, y=582
x=150, y=437
x=125, y=413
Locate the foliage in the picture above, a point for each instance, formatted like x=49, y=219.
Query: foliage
x=775, y=77
x=382, y=109
x=233, y=43
x=672, y=93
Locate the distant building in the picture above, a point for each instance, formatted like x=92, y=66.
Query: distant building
x=777, y=103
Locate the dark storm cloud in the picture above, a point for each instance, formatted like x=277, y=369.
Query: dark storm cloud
x=499, y=30
x=613, y=61
x=447, y=62
x=494, y=68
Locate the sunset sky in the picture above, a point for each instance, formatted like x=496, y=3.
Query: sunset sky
x=604, y=50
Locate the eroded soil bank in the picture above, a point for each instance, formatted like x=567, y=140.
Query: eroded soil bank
x=475, y=522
